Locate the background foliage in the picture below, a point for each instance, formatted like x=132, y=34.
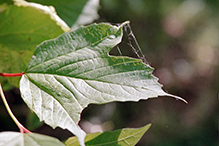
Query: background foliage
x=180, y=40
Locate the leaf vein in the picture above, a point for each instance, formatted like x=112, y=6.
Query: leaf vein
x=96, y=42
x=68, y=90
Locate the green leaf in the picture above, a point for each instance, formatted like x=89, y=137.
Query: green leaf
x=6, y=2
x=4, y=5
x=77, y=12
x=32, y=121
x=22, y=28
x=123, y=137
x=19, y=139
x=70, y=72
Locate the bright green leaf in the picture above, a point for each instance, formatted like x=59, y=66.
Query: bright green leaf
x=22, y=28
x=123, y=137
x=19, y=139
x=70, y=72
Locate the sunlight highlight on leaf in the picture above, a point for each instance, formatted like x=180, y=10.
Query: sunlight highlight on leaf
x=74, y=70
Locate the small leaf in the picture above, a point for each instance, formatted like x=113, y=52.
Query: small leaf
x=70, y=72
x=123, y=137
x=33, y=139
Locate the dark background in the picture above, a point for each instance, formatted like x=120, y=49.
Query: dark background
x=180, y=39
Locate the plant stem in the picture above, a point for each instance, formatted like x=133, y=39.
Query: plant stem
x=11, y=74
x=20, y=126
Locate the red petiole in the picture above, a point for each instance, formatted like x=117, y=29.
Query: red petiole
x=11, y=74
x=20, y=126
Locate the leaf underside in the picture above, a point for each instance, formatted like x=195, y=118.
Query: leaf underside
x=74, y=70
x=33, y=139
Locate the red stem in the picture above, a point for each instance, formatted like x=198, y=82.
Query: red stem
x=11, y=74
x=23, y=129
x=20, y=126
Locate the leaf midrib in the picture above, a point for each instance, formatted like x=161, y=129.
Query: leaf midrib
x=94, y=79
x=81, y=79
x=113, y=65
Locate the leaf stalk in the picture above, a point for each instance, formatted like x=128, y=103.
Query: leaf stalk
x=20, y=126
x=11, y=74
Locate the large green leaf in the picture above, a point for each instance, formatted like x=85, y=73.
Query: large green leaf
x=22, y=28
x=74, y=12
x=123, y=137
x=19, y=139
x=70, y=72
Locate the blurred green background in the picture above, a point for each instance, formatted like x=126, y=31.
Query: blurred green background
x=180, y=39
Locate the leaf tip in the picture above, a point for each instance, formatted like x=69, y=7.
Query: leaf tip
x=177, y=98
x=124, y=23
x=147, y=126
